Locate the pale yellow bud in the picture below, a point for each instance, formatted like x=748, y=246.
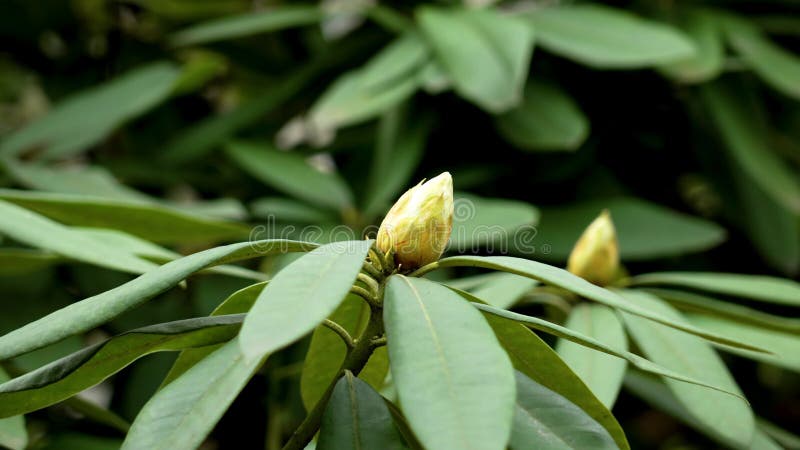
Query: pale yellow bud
x=595, y=257
x=418, y=226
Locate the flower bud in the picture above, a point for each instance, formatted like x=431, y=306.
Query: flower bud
x=595, y=257
x=418, y=226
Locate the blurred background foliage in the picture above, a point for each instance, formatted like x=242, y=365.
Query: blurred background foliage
x=134, y=131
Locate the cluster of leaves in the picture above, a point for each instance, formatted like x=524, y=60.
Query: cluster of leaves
x=136, y=132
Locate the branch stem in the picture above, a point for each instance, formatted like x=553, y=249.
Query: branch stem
x=338, y=329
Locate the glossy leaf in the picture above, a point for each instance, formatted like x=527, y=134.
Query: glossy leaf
x=563, y=279
x=181, y=415
x=533, y=357
x=247, y=24
x=602, y=373
x=503, y=289
x=753, y=287
x=543, y=419
x=291, y=174
x=637, y=361
x=783, y=346
x=636, y=221
x=326, y=352
x=147, y=220
x=357, y=417
x=486, y=54
x=12, y=429
x=93, y=311
x=546, y=120
x=777, y=66
x=301, y=296
x=30, y=228
x=731, y=418
x=72, y=374
x=704, y=29
x=608, y=38
x=87, y=117
x=453, y=378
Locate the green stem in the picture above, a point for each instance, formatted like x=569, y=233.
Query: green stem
x=338, y=329
x=425, y=269
x=355, y=360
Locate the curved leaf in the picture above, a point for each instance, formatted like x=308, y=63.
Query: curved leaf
x=703, y=28
x=730, y=418
x=503, y=289
x=488, y=222
x=12, y=429
x=326, y=352
x=453, y=378
x=753, y=287
x=563, y=279
x=784, y=346
x=150, y=221
x=181, y=415
x=247, y=24
x=543, y=419
x=93, y=311
x=301, y=296
x=290, y=173
x=30, y=228
x=546, y=120
x=486, y=54
x=608, y=38
x=533, y=357
x=636, y=360
x=356, y=418
x=602, y=373
x=72, y=374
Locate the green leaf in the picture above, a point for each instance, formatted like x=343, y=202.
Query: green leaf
x=778, y=67
x=30, y=228
x=586, y=341
x=398, y=151
x=286, y=210
x=19, y=261
x=782, y=345
x=239, y=302
x=150, y=221
x=87, y=117
x=290, y=173
x=543, y=419
x=563, y=279
x=746, y=139
x=753, y=287
x=387, y=79
x=357, y=417
x=602, y=373
x=636, y=222
x=731, y=418
x=301, y=296
x=489, y=222
x=503, y=289
x=453, y=378
x=93, y=311
x=608, y=38
x=12, y=429
x=546, y=120
x=72, y=374
x=787, y=439
x=327, y=352
x=533, y=357
x=96, y=413
x=726, y=310
x=486, y=54
x=250, y=23
x=703, y=28
x=181, y=415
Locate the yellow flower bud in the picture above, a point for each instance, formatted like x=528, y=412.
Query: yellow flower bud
x=418, y=226
x=595, y=257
